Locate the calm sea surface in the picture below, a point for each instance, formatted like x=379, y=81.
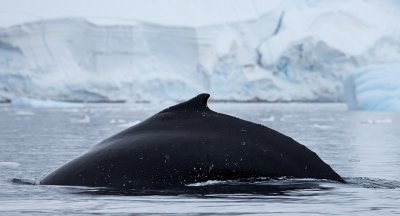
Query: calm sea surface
x=363, y=147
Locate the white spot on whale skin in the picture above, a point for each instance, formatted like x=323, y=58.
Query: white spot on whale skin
x=243, y=143
x=166, y=158
x=211, y=167
x=9, y=165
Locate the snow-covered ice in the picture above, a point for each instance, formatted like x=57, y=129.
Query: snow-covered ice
x=292, y=52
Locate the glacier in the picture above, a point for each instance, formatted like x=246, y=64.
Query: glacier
x=374, y=88
x=296, y=52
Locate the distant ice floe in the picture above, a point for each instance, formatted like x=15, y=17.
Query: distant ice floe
x=269, y=119
x=375, y=88
x=84, y=120
x=123, y=123
x=129, y=124
x=9, y=165
x=24, y=113
x=23, y=102
x=117, y=121
x=377, y=121
x=321, y=127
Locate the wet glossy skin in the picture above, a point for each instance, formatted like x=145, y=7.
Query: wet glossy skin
x=190, y=143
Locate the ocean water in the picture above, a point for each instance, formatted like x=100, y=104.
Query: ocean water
x=363, y=147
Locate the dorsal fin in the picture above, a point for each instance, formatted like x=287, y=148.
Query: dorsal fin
x=198, y=102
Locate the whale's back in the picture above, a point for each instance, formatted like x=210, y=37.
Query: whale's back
x=190, y=143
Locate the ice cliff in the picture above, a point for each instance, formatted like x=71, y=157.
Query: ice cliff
x=375, y=87
x=297, y=52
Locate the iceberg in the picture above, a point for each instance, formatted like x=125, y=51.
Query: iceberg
x=22, y=102
x=9, y=165
x=375, y=88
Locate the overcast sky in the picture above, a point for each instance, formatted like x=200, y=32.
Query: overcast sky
x=173, y=12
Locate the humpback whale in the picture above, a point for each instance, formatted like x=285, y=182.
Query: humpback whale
x=189, y=143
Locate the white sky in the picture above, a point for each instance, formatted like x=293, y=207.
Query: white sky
x=172, y=12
